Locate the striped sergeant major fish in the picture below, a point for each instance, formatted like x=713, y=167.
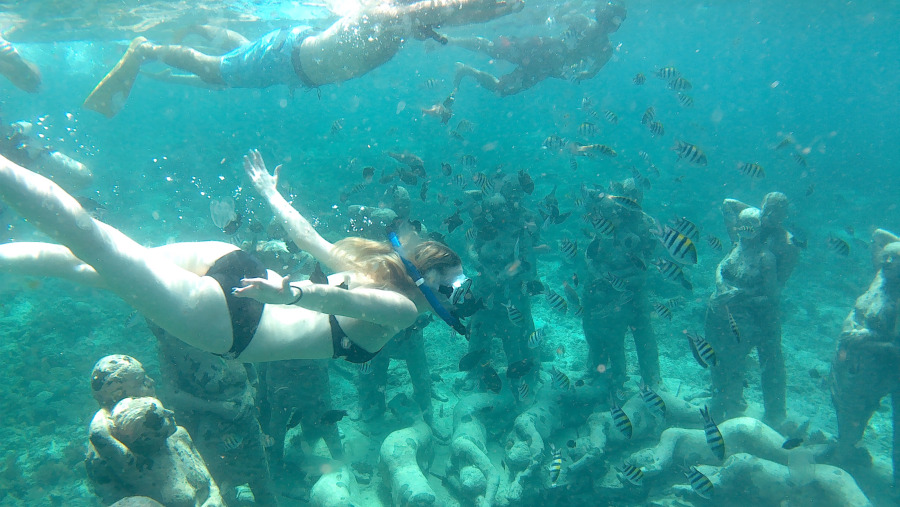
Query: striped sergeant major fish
x=555, y=468
x=587, y=129
x=620, y=419
x=702, y=350
x=685, y=100
x=713, y=435
x=603, y=225
x=752, y=169
x=714, y=242
x=662, y=310
x=653, y=401
x=656, y=128
x=557, y=302
x=625, y=202
x=680, y=84
x=632, y=474
x=838, y=245
x=689, y=152
x=735, y=330
x=569, y=248
x=535, y=338
x=668, y=73
x=514, y=314
x=616, y=282
x=560, y=380
x=523, y=390
x=699, y=483
x=672, y=271
x=590, y=150
x=686, y=227
x=679, y=246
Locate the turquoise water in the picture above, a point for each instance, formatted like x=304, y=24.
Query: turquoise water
x=823, y=71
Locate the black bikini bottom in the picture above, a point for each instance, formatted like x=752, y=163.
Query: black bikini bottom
x=245, y=313
x=344, y=347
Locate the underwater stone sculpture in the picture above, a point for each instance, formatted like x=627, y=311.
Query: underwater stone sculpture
x=755, y=461
x=526, y=446
x=471, y=471
x=608, y=312
x=591, y=450
x=405, y=454
x=298, y=393
x=215, y=399
x=744, y=311
x=113, y=378
x=504, y=235
x=865, y=365
x=681, y=446
x=775, y=484
x=409, y=346
x=335, y=489
x=164, y=463
x=137, y=501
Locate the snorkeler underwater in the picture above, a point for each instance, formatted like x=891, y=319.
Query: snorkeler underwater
x=449, y=252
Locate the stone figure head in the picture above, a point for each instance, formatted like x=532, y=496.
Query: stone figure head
x=749, y=222
x=889, y=261
x=775, y=208
x=142, y=424
x=116, y=377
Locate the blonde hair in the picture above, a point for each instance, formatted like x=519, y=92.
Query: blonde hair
x=379, y=261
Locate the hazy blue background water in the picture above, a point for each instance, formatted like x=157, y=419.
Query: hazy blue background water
x=823, y=70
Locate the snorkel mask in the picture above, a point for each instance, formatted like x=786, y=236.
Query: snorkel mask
x=458, y=288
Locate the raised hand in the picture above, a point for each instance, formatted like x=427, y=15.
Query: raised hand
x=255, y=167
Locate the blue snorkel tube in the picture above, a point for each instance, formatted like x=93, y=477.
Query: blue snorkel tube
x=436, y=305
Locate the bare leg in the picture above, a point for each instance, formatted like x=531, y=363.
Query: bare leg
x=109, y=96
x=20, y=72
x=190, y=307
x=486, y=80
x=167, y=76
x=222, y=38
x=57, y=261
x=47, y=259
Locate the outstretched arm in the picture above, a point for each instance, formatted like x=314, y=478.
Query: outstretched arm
x=448, y=12
x=383, y=307
x=476, y=44
x=298, y=228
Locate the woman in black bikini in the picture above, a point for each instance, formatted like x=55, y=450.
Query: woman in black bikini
x=217, y=298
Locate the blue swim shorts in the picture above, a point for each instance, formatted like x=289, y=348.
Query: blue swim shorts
x=265, y=62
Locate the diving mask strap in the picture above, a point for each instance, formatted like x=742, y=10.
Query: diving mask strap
x=436, y=305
